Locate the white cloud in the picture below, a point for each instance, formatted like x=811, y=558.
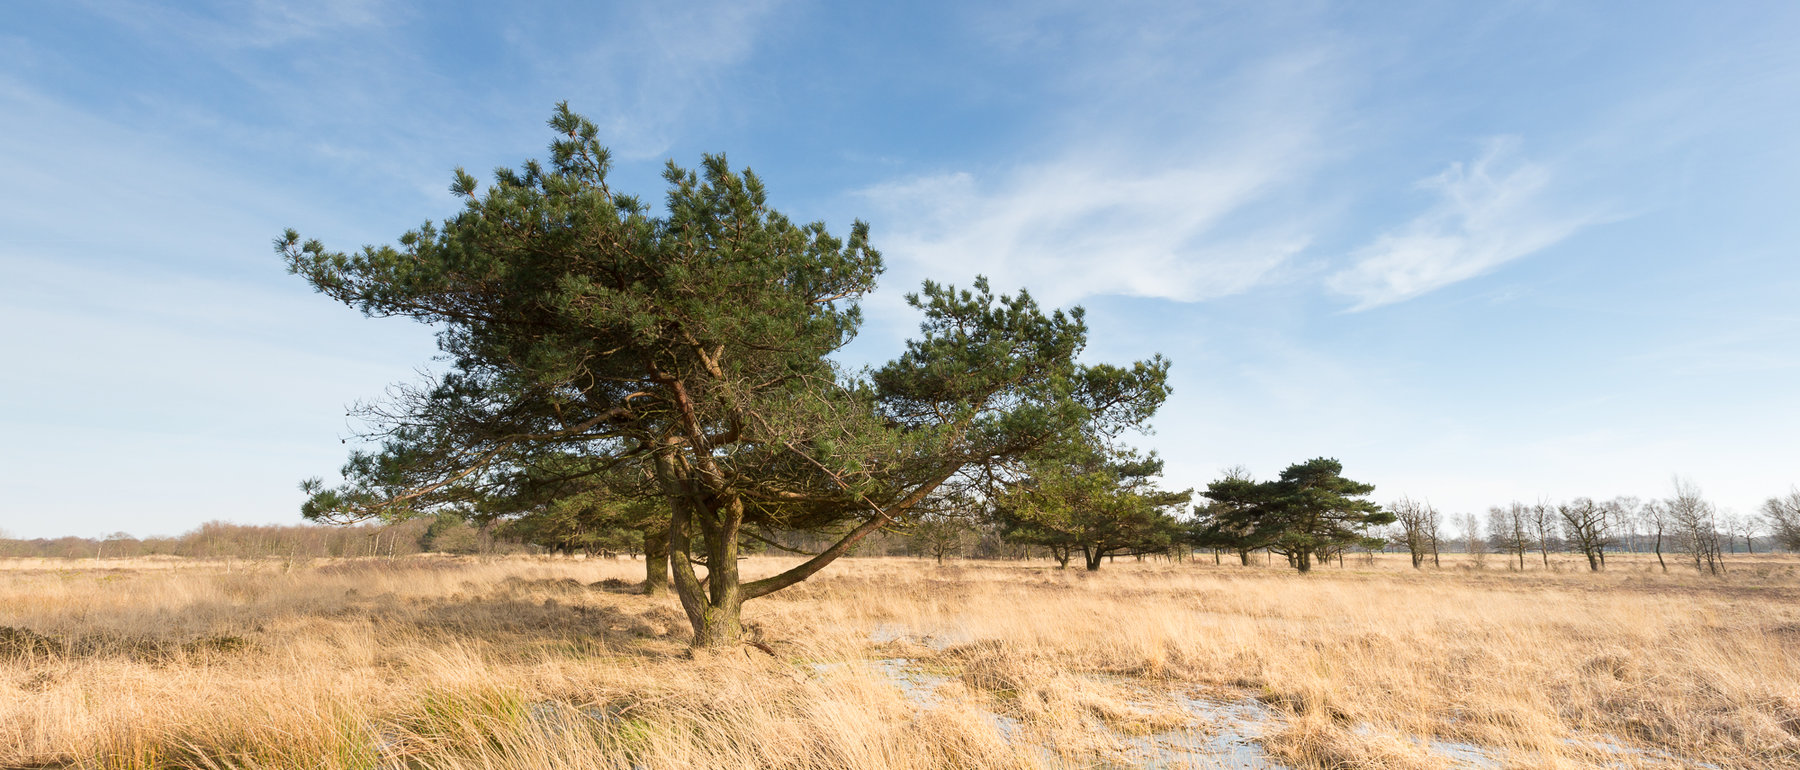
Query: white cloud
x=254, y=24
x=646, y=76
x=1070, y=229
x=1490, y=212
x=1160, y=198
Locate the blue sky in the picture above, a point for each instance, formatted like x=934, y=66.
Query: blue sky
x=1477, y=251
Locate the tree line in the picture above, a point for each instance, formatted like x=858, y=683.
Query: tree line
x=1684, y=525
x=218, y=539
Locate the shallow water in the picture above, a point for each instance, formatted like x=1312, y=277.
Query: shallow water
x=1224, y=732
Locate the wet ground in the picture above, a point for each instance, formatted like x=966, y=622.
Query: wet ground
x=1223, y=732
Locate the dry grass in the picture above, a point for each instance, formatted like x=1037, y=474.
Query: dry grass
x=522, y=663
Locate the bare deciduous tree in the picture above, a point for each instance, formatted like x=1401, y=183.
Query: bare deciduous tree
x=1543, y=525
x=1434, y=523
x=1418, y=528
x=1747, y=527
x=1584, y=526
x=1509, y=531
x=1693, y=520
x=1473, y=544
x=1655, y=515
x=1782, y=517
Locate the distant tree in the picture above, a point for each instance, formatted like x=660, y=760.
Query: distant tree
x=1620, y=512
x=1747, y=526
x=569, y=504
x=1315, y=509
x=1416, y=527
x=1235, y=517
x=449, y=532
x=1509, y=530
x=1655, y=515
x=940, y=533
x=1694, y=521
x=1584, y=527
x=1543, y=525
x=1474, y=544
x=1434, y=523
x=1096, y=501
x=1781, y=515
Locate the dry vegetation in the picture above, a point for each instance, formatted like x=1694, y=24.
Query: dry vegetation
x=888, y=663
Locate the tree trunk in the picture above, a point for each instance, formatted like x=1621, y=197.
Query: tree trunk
x=1302, y=561
x=1659, y=558
x=1593, y=563
x=1244, y=556
x=1062, y=554
x=712, y=607
x=1093, y=559
x=656, y=561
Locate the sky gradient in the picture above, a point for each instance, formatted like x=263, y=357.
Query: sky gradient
x=1478, y=254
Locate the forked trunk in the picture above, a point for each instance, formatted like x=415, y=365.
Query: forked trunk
x=1244, y=556
x=1303, y=561
x=714, y=606
x=1093, y=559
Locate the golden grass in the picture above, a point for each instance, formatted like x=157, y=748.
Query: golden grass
x=889, y=663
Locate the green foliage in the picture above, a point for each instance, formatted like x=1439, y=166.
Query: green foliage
x=1311, y=511
x=689, y=354
x=451, y=533
x=1088, y=499
x=1235, y=515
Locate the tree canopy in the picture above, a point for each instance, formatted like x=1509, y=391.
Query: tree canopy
x=692, y=349
x=1093, y=500
x=1310, y=511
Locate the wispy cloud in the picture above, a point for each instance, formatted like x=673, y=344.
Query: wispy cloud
x=1490, y=211
x=1072, y=229
x=1164, y=205
x=255, y=24
x=653, y=69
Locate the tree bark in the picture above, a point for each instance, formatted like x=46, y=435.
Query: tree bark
x=1093, y=558
x=656, y=561
x=1303, y=561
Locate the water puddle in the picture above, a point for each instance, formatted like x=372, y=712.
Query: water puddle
x=1224, y=731
x=1633, y=756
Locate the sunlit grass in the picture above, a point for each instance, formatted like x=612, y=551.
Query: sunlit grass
x=436, y=662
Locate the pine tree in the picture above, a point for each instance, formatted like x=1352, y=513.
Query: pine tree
x=1101, y=503
x=694, y=348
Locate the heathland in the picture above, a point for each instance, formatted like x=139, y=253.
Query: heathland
x=536, y=662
